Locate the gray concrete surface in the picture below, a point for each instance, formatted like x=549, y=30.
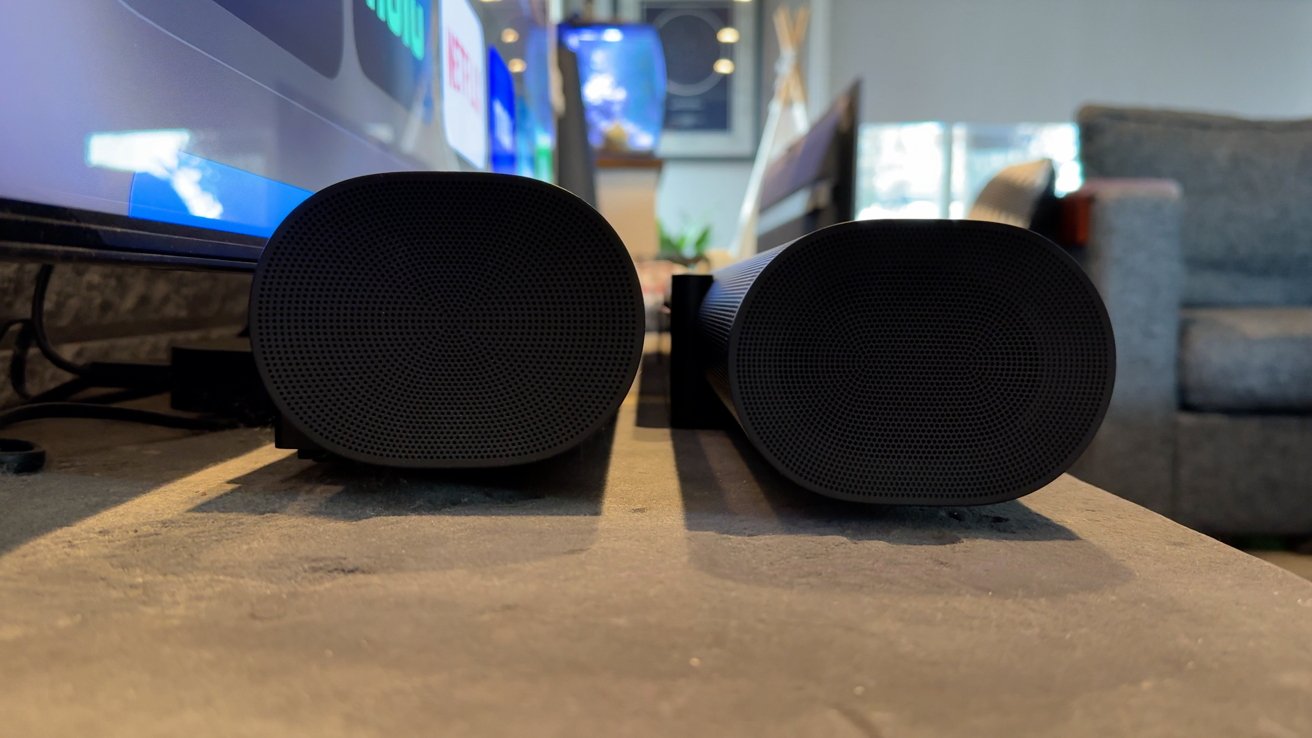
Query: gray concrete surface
x=154, y=583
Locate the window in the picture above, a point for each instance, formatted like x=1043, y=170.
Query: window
x=935, y=170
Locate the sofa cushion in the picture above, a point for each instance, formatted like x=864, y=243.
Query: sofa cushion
x=1246, y=359
x=1247, y=224
x=1244, y=474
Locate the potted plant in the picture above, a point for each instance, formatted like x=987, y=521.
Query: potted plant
x=687, y=247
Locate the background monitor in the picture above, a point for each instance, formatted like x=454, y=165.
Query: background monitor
x=812, y=184
x=621, y=67
x=191, y=127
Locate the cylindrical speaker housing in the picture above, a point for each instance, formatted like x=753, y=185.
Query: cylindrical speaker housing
x=912, y=362
x=446, y=319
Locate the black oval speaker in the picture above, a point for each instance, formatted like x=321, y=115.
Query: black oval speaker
x=912, y=362
x=446, y=319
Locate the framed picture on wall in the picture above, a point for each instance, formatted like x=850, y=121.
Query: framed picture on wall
x=710, y=59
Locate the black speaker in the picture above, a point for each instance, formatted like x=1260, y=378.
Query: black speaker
x=911, y=362
x=444, y=319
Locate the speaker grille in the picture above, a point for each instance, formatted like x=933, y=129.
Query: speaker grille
x=446, y=319
x=913, y=361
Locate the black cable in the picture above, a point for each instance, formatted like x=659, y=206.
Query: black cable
x=122, y=395
x=20, y=457
x=5, y=326
x=133, y=381
x=18, y=360
x=92, y=411
x=97, y=373
x=61, y=392
x=39, y=325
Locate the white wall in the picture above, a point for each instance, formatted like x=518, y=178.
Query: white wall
x=694, y=192
x=699, y=191
x=1039, y=60
x=1023, y=60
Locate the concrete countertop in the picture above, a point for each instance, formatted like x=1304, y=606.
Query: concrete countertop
x=651, y=583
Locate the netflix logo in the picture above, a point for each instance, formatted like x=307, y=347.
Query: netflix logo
x=463, y=65
x=466, y=80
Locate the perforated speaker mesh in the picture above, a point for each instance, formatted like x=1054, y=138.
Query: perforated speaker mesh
x=445, y=319
x=917, y=362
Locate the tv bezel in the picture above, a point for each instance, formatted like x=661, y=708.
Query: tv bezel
x=44, y=233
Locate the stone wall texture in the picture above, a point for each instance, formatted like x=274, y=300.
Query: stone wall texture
x=117, y=313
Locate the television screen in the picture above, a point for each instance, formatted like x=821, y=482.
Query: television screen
x=224, y=114
x=812, y=184
x=622, y=70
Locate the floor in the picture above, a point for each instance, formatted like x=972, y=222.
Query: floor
x=652, y=582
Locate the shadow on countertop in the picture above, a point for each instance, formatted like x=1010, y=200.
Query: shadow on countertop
x=572, y=483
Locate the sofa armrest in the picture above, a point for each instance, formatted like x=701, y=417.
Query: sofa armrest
x=1134, y=258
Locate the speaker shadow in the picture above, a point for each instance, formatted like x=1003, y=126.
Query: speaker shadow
x=654, y=390
x=747, y=522
x=728, y=487
x=295, y=520
x=572, y=483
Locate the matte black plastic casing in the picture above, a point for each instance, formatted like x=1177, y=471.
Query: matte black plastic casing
x=912, y=362
x=445, y=319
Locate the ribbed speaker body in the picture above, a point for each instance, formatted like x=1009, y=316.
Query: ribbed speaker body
x=912, y=362
x=445, y=319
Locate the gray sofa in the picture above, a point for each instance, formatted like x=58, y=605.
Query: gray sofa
x=1201, y=243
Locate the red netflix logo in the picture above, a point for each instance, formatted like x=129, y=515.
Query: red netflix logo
x=463, y=65
x=460, y=71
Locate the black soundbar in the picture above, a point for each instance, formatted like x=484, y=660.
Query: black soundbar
x=901, y=361
x=444, y=319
